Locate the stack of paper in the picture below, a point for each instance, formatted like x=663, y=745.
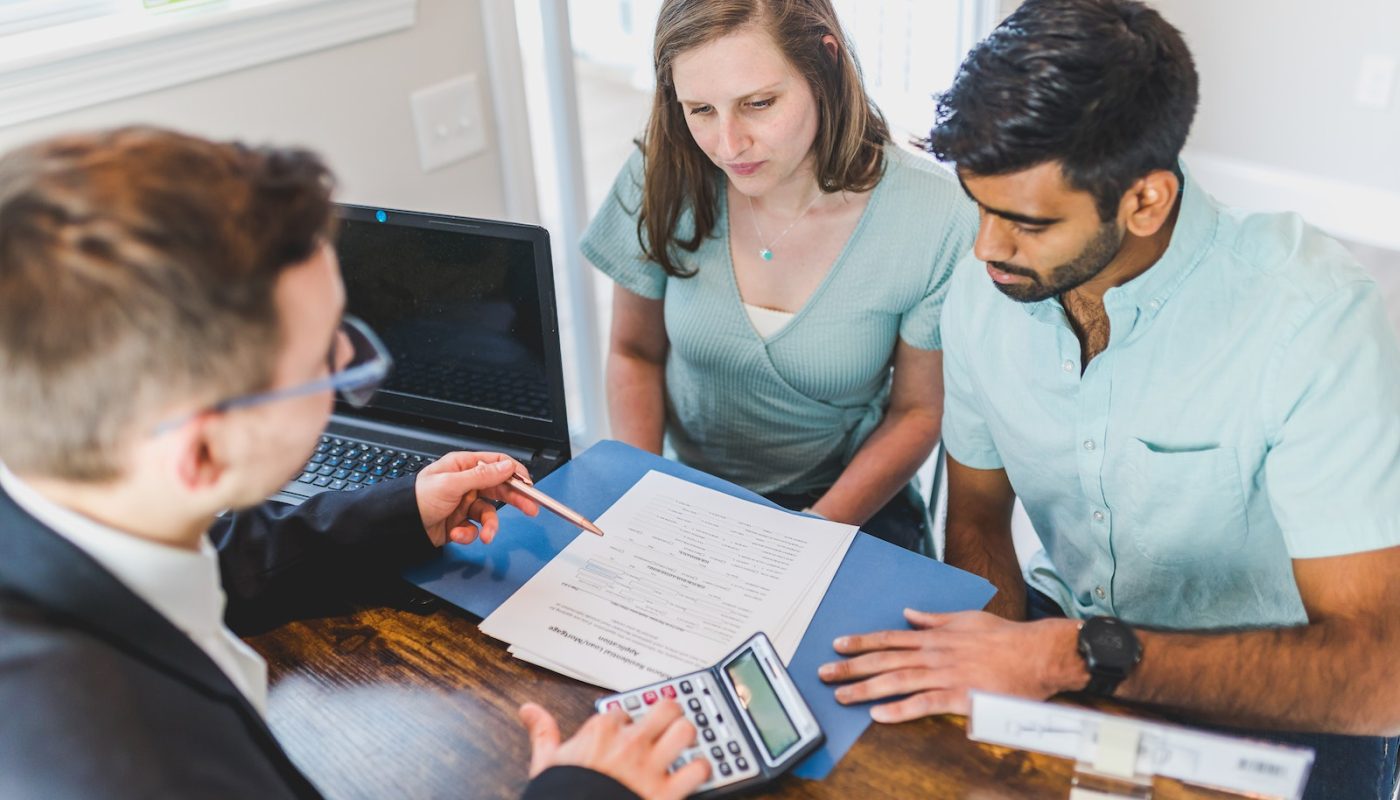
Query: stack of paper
x=684, y=575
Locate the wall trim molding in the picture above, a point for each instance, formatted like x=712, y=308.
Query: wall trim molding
x=53, y=70
x=1355, y=212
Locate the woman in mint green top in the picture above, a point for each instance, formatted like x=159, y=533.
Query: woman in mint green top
x=792, y=345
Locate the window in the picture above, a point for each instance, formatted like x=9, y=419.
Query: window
x=61, y=55
x=17, y=16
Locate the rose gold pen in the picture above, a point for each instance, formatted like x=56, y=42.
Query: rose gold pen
x=567, y=514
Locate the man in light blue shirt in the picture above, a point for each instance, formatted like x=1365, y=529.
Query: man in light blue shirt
x=1199, y=408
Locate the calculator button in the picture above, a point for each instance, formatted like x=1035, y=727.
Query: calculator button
x=685, y=687
x=725, y=769
x=668, y=691
x=701, y=720
x=612, y=704
x=693, y=704
x=632, y=703
x=717, y=753
x=734, y=748
x=741, y=763
x=649, y=697
x=678, y=763
x=709, y=734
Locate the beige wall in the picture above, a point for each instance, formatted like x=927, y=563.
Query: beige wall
x=350, y=102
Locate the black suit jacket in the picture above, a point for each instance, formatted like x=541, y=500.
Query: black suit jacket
x=102, y=697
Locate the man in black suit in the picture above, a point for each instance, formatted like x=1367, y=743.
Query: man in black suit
x=171, y=335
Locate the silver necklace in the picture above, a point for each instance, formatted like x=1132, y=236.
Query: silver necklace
x=766, y=253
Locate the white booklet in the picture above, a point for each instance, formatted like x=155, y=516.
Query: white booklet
x=683, y=575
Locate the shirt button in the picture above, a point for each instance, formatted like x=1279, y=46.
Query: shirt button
x=1155, y=304
x=1098, y=516
x=1088, y=444
x=1100, y=593
x=1068, y=366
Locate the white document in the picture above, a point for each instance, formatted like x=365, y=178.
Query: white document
x=1258, y=769
x=684, y=575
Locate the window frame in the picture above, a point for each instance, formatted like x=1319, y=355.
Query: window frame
x=64, y=67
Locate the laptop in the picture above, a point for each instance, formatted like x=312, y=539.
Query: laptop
x=466, y=308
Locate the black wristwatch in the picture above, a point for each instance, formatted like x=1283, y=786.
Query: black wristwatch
x=1110, y=650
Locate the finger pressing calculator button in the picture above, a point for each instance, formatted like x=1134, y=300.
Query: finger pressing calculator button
x=693, y=704
x=668, y=691
x=709, y=734
x=632, y=703
x=686, y=688
x=701, y=720
x=649, y=697
x=734, y=748
x=742, y=763
x=717, y=753
x=725, y=769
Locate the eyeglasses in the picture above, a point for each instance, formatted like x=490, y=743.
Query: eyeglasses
x=356, y=382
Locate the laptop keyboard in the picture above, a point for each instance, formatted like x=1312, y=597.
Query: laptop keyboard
x=346, y=465
x=494, y=389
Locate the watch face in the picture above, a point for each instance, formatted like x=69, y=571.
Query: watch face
x=1110, y=644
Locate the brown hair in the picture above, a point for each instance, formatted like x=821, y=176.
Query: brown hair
x=851, y=132
x=137, y=269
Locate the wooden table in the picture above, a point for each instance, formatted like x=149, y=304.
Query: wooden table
x=374, y=701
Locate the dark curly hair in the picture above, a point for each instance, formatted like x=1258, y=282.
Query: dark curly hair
x=1107, y=88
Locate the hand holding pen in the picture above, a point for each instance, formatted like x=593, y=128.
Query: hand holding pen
x=455, y=495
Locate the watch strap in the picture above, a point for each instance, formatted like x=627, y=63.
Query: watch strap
x=1103, y=685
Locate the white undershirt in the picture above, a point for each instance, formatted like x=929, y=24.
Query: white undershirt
x=767, y=321
x=181, y=585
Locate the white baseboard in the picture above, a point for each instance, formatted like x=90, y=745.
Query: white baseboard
x=1362, y=214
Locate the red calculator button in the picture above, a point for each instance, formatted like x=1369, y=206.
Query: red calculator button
x=668, y=691
x=648, y=697
x=614, y=704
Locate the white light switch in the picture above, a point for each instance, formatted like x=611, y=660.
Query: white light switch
x=1373, y=87
x=447, y=117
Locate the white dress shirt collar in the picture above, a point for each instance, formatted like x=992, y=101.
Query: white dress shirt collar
x=181, y=585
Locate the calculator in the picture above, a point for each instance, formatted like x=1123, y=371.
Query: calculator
x=750, y=721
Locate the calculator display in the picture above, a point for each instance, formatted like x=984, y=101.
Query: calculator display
x=758, y=698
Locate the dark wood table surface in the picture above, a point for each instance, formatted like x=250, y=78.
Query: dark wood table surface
x=387, y=701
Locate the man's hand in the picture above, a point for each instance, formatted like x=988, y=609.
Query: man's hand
x=636, y=755
x=453, y=493
x=945, y=655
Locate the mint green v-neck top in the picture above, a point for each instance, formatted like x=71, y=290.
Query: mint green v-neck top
x=787, y=413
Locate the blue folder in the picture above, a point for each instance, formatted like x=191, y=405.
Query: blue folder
x=872, y=587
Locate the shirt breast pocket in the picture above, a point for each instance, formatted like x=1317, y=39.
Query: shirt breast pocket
x=1182, y=506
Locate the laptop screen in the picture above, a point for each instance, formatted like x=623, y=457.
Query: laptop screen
x=466, y=308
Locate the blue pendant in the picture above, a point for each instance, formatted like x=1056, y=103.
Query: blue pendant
x=766, y=254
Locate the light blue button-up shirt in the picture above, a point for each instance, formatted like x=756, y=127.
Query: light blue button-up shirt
x=1246, y=412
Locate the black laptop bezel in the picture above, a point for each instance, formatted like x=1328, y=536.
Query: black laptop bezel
x=451, y=419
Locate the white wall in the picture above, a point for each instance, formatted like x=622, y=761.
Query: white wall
x=1278, y=128
x=1278, y=78
x=351, y=103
